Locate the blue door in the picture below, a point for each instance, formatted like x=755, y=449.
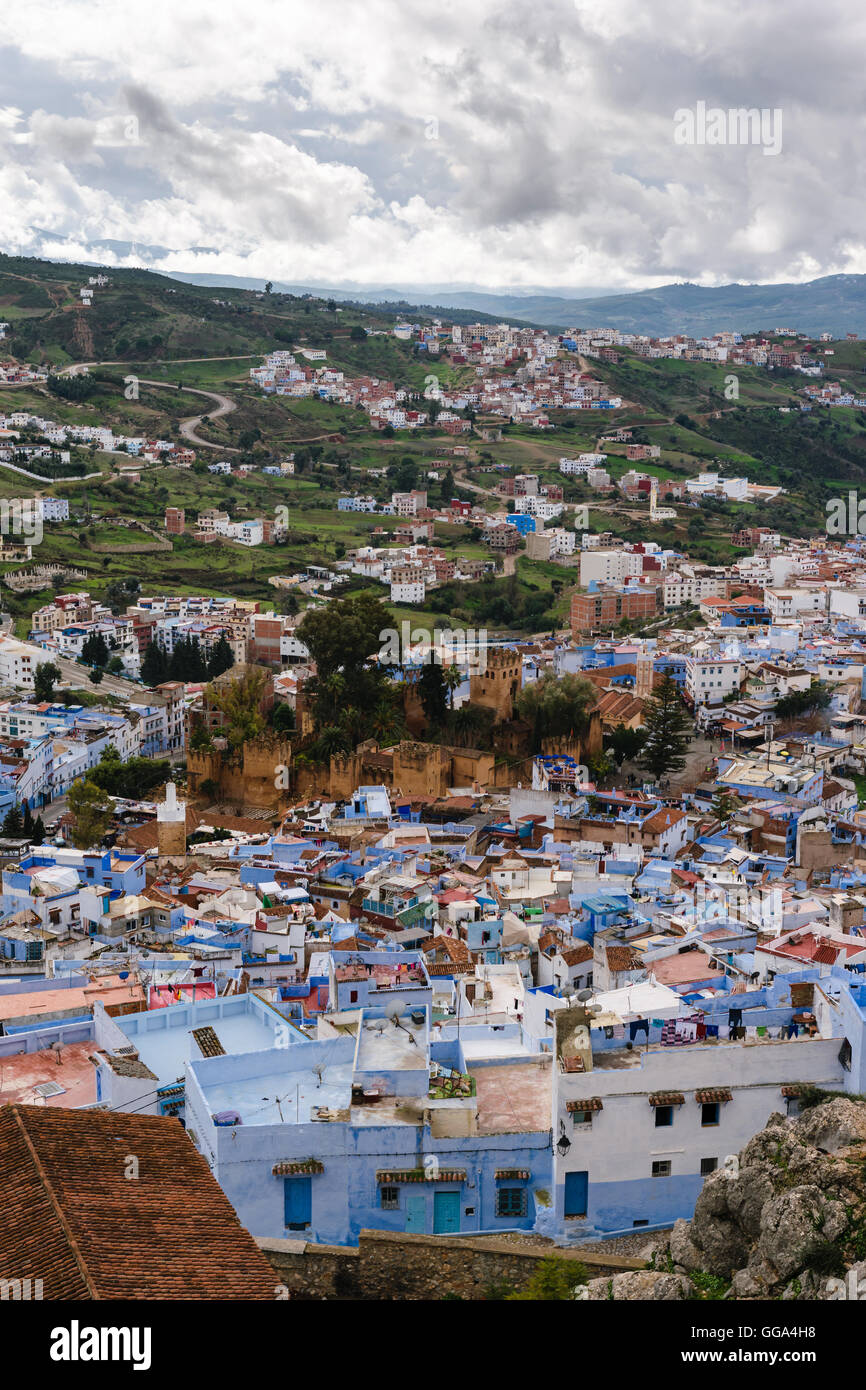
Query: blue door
x=416, y=1213
x=576, y=1190
x=299, y=1202
x=446, y=1213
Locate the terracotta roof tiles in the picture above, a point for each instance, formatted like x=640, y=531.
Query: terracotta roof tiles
x=71, y=1217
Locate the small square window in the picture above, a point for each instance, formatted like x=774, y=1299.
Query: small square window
x=708, y=1165
x=511, y=1201
x=581, y=1118
x=661, y=1168
x=710, y=1113
x=389, y=1198
x=664, y=1115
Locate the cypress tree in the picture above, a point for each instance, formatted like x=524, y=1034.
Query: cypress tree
x=668, y=729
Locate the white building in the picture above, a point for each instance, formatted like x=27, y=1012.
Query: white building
x=709, y=679
x=608, y=566
x=645, y=1126
x=408, y=591
x=54, y=508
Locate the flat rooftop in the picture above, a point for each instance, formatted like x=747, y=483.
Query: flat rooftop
x=166, y=1046
x=385, y=1047
x=280, y=1096
x=683, y=968
x=22, y=1072
x=620, y=1058
x=513, y=1098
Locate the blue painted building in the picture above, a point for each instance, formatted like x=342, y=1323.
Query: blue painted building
x=374, y=1130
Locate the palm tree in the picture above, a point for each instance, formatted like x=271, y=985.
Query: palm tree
x=330, y=692
x=452, y=677
x=354, y=722
x=467, y=722
x=332, y=740
x=388, y=723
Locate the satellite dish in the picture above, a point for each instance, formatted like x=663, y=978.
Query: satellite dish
x=393, y=1009
x=583, y=995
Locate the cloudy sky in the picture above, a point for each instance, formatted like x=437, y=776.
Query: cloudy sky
x=484, y=143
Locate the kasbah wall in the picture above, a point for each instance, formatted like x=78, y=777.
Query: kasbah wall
x=252, y=777
x=246, y=778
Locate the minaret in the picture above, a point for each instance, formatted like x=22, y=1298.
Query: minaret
x=644, y=672
x=171, y=823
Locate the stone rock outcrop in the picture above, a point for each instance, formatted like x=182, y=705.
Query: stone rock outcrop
x=640, y=1285
x=788, y=1220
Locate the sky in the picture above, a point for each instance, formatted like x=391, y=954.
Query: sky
x=393, y=142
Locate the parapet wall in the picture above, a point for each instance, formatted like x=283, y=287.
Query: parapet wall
x=387, y=1266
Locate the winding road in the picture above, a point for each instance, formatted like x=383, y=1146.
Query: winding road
x=225, y=405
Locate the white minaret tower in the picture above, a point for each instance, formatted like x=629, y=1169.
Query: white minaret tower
x=171, y=823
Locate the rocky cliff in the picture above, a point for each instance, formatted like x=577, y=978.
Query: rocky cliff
x=786, y=1220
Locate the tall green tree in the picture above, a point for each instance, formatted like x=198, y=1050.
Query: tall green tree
x=433, y=692
x=240, y=701
x=187, y=662
x=94, y=650
x=557, y=708
x=91, y=813
x=668, y=729
x=624, y=743
x=222, y=658
x=154, y=665
x=344, y=639
x=453, y=677
x=46, y=677
x=284, y=721
x=13, y=822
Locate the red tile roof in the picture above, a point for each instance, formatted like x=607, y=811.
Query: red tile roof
x=623, y=958
x=72, y=1218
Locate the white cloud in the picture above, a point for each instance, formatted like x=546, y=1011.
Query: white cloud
x=297, y=140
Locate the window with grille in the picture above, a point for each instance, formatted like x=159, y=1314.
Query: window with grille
x=389, y=1198
x=511, y=1201
x=661, y=1168
x=708, y=1165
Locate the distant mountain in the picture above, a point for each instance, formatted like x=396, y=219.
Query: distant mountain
x=834, y=304
x=506, y=304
